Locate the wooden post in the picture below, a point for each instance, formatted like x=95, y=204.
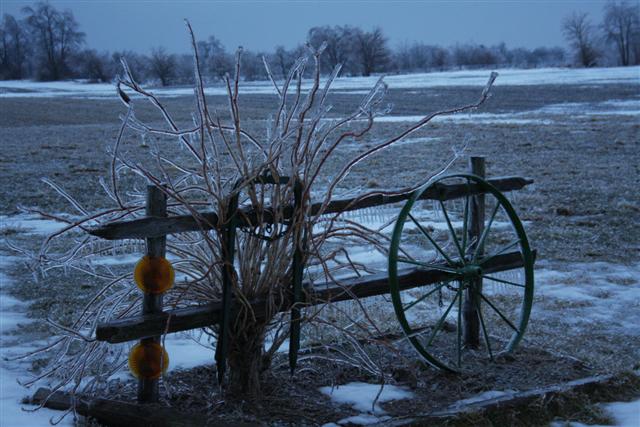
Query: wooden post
x=299, y=241
x=471, y=319
x=228, y=254
x=148, y=390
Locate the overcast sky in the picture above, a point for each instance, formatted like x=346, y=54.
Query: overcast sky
x=260, y=25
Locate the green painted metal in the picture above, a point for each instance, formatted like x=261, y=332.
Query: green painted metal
x=465, y=268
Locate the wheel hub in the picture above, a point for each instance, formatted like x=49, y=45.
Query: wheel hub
x=470, y=271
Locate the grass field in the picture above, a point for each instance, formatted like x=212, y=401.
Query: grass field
x=579, y=142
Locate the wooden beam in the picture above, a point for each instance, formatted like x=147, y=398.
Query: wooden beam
x=136, y=327
x=155, y=226
x=115, y=413
x=515, y=402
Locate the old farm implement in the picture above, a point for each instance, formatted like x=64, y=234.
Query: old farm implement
x=460, y=275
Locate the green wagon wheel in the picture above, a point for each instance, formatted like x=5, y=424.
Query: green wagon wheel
x=447, y=240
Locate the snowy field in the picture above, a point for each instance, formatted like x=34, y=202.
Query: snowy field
x=578, y=298
x=352, y=85
x=596, y=295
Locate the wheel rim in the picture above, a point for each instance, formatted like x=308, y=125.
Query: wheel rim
x=503, y=303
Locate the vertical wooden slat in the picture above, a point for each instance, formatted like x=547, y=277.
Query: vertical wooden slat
x=228, y=254
x=148, y=390
x=476, y=217
x=298, y=270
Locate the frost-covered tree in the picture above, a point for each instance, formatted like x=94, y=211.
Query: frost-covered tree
x=95, y=66
x=138, y=64
x=621, y=26
x=216, y=61
x=252, y=66
x=372, y=51
x=14, y=47
x=56, y=38
x=163, y=65
x=579, y=32
x=341, y=46
x=283, y=60
x=413, y=57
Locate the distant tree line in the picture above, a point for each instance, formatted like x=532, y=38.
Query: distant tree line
x=47, y=44
x=616, y=41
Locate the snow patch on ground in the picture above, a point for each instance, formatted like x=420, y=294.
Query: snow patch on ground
x=12, y=393
x=491, y=118
x=546, y=115
x=361, y=397
x=188, y=351
x=513, y=77
x=587, y=292
x=31, y=224
x=350, y=85
x=625, y=414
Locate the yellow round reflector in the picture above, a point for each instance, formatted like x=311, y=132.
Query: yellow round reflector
x=148, y=360
x=153, y=274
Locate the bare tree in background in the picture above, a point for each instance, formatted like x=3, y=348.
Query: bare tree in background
x=163, y=65
x=284, y=60
x=138, y=63
x=579, y=32
x=473, y=55
x=14, y=46
x=621, y=26
x=97, y=67
x=372, y=51
x=253, y=66
x=340, y=42
x=56, y=38
x=216, y=61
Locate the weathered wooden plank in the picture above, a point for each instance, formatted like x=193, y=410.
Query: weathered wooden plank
x=120, y=414
x=132, y=328
x=116, y=413
x=518, y=400
x=156, y=227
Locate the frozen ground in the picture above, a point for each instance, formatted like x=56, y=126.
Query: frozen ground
x=364, y=398
x=578, y=142
x=353, y=85
x=625, y=414
x=547, y=115
x=187, y=351
x=574, y=298
x=13, y=313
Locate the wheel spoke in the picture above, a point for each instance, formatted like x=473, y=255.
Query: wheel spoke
x=465, y=222
x=441, y=321
x=433, y=242
x=508, y=322
x=506, y=282
x=425, y=296
x=500, y=251
x=484, y=330
x=485, y=232
x=459, y=329
x=452, y=230
x=439, y=267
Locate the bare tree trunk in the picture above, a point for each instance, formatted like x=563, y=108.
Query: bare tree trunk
x=246, y=361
